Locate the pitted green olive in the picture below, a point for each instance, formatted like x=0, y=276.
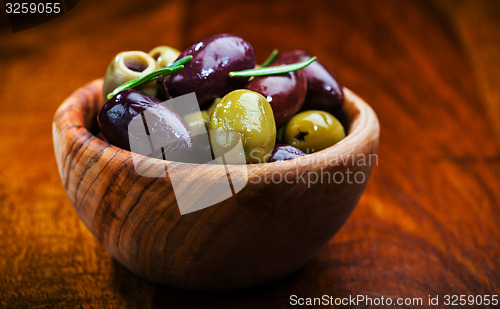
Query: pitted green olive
x=127, y=66
x=313, y=130
x=164, y=55
x=248, y=114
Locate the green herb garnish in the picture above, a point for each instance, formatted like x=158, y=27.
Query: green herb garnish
x=174, y=67
x=273, y=70
x=181, y=61
x=270, y=59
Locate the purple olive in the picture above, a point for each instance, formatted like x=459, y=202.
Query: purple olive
x=324, y=92
x=171, y=134
x=207, y=73
x=285, y=152
x=285, y=92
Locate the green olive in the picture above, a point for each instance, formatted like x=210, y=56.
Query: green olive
x=313, y=130
x=164, y=55
x=211, y=107
x=198, y=125
x=247, y=116
x=197, y=122
x=127, y=66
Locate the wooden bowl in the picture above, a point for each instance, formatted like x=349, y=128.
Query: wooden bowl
x=267, y=230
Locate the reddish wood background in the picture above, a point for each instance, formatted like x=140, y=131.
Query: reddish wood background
x=428, y=223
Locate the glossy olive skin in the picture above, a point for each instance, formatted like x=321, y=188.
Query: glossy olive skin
x=212, y=105
x=285, y=152
x=115, y=116
x=285, y=92
x=313, y=130
x=249, y=117
x=324, y=92
x=207, y=73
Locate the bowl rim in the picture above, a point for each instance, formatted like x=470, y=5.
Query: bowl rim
x=362, y=122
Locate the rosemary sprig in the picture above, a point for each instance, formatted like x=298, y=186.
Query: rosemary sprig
x=181, y=61
x=273, y=70
x=174, y=67
x=270, y=59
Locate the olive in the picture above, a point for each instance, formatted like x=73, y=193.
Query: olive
x=313, y=130
x=164, y=55
x=285, y=92
x=197, y=122
x=247, y=116
x=171, y=137
x=324, y=92
x=207, y=73
x=285, y=152
x=127, y=66
x=211, y=107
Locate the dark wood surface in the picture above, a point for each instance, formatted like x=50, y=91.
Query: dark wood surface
x=428, y=223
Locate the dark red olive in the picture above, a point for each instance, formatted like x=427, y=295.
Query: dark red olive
x=207, y=73
x=324, y=92
x=285, y=92
x=285, y=152
x=171, y=136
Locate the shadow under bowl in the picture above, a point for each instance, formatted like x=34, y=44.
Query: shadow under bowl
x=283, y=216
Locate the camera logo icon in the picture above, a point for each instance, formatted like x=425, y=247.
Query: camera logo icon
x=192, y=190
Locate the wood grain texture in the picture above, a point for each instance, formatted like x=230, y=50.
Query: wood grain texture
x=428, y=223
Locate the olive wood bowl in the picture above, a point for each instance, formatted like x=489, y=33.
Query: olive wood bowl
x=262, y=233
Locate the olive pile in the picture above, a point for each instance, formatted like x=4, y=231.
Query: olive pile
x=277, y=116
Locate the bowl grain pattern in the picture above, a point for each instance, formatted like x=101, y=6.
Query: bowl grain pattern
x=262, y=233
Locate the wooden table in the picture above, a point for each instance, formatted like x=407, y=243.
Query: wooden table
x=428, y=222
